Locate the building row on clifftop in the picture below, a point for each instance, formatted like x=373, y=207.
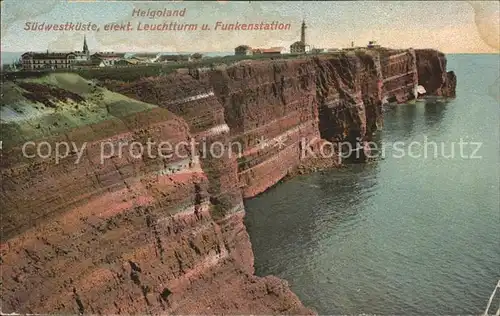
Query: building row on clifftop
x=76, y=59
x=298, y=47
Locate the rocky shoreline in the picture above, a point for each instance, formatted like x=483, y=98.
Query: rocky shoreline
x=156, y=235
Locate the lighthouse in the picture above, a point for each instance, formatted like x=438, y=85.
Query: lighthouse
x=303, y=32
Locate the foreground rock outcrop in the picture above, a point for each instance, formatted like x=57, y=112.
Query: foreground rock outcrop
x=432, y=74
x=108, y=229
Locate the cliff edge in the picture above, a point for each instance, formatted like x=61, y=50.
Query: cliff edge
x=136, y=233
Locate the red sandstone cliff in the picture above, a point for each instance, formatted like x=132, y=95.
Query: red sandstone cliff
x=432, y=74
x=153, y=235
x=132, y=235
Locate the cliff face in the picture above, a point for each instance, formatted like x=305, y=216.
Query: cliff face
x=432, y=74
x=270, y=108
x=132, y=233
x=352, y=88
x=139, y=234
x=349, y=98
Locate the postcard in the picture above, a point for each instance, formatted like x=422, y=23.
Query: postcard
x=250, y=157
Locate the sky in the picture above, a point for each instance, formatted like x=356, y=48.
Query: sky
x=449, y=26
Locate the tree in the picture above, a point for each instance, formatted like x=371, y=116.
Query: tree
x=17, y=64
x=197, y=56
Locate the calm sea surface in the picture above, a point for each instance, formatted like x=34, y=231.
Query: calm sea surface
x=402, y=235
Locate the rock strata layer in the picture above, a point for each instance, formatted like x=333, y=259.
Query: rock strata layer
x=137, y=233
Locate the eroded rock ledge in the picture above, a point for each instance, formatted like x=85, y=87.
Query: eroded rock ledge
x=156, y=235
